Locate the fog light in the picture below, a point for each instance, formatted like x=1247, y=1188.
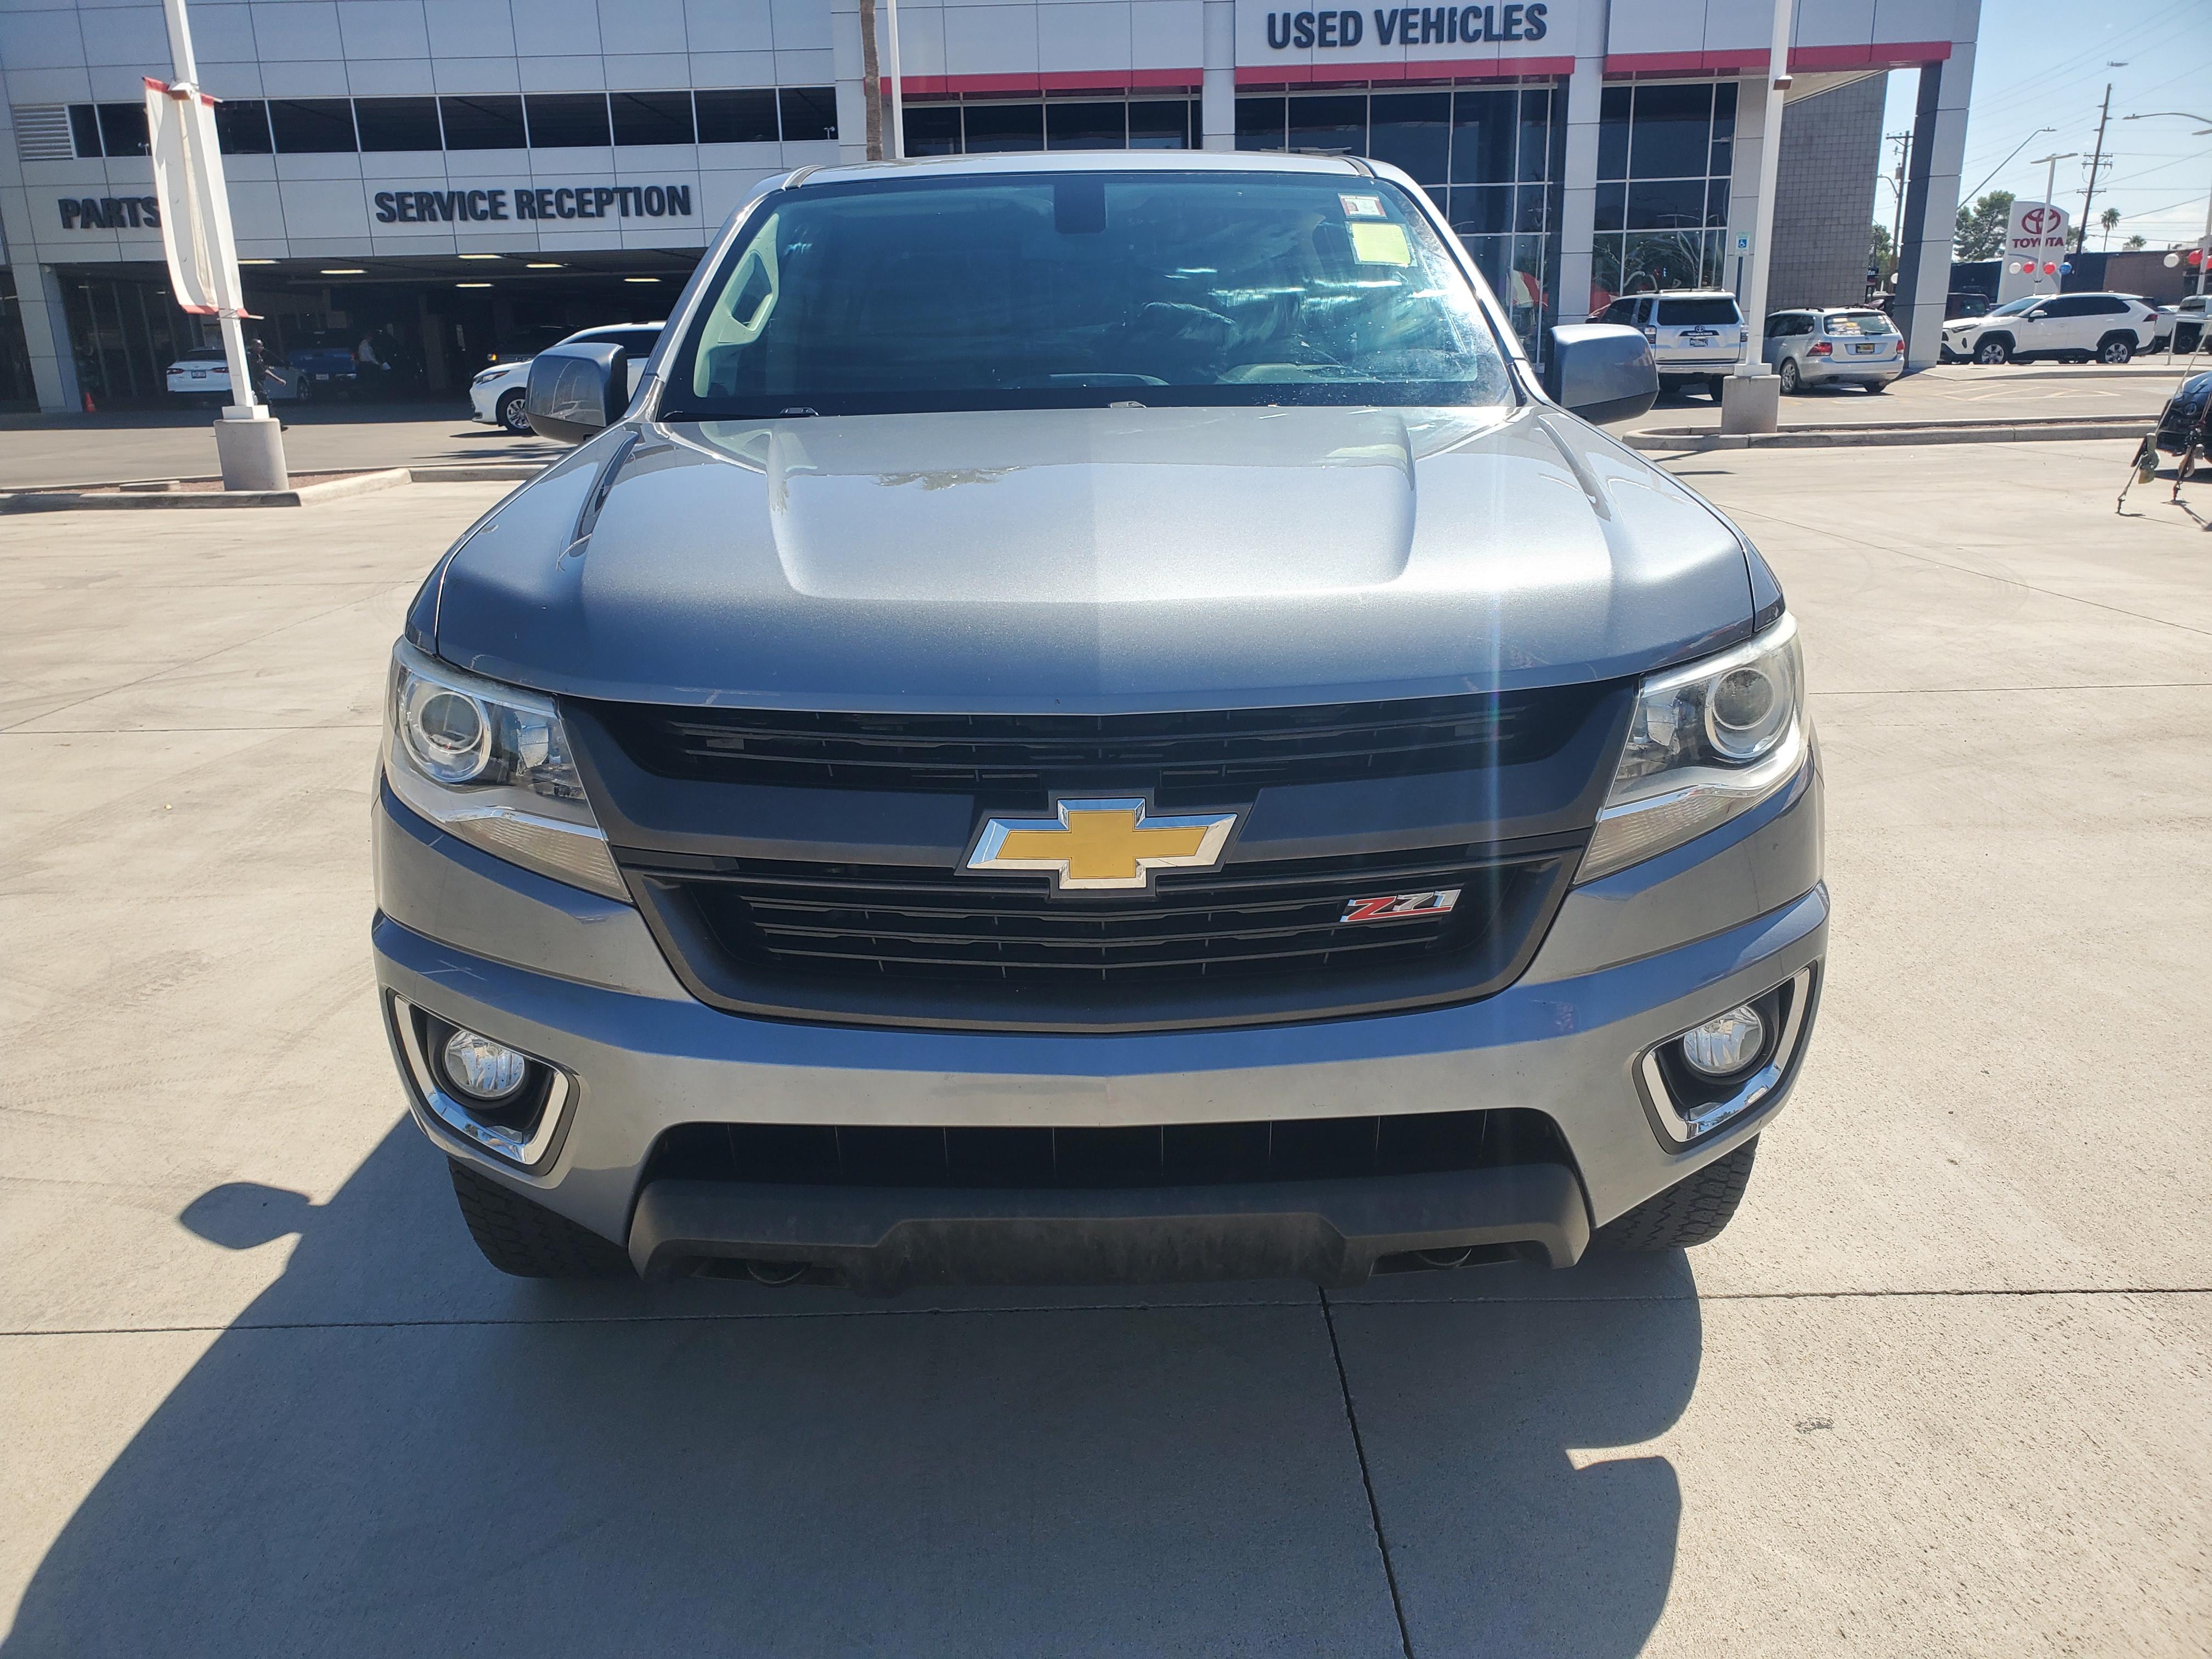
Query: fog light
x=483, y=1069
x=1725, y=1044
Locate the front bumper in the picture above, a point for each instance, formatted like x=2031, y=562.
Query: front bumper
x=483, y=402
x=1629, y=961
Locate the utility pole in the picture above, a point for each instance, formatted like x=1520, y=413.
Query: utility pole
x=1903, y=142
x=2088, y=194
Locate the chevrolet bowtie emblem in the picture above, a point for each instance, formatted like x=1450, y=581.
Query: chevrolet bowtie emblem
x=1094, y=845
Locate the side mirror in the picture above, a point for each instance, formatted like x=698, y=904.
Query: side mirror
x=577, y=391
x=1600, y=372
x=2037, y=316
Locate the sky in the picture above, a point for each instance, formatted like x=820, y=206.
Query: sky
x=2044, y=63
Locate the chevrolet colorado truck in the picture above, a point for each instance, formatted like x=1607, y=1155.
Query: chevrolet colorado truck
x=1095, y=718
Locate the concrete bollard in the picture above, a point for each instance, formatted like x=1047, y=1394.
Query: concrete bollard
x=252, y=452
x=1751, y=403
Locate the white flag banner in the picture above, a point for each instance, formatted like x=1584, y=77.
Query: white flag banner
x=195, y=206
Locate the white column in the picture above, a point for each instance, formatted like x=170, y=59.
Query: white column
x=1931, y=193
x=1578, y=195
x=45, y=335
x=1217, y=100
x=1752, y=299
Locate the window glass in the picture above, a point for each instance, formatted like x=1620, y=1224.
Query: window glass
x=1084, y=289
x=1483, y=125
x=493, y=122
x=391, y=123
x=1667, y=205
x=1535, y=134
x=2013, y=308
x=1337, y=125
x=1858, y=322
x=1261, y=123
x=933, y=129
x=1412, y=130
x=652, y=118
x=1698, y=313
x=241, y=127
x=1482, y=209
x=84, y=128
x=123, y=129
x=568, y=120
x=745, y=116
x=809, y=113
x=1613, y=133
x=1103, y=125
x=1671, y=131
x=312, y=127
x=1159, y=124
x=997, y=129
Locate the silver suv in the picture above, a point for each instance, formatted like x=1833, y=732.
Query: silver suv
x=1834, y=345
x=1696, y=334
x=1095, y=719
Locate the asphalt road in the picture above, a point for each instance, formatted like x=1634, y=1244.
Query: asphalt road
x=320, y=438
x=1941, y=1390
x=1962, y=391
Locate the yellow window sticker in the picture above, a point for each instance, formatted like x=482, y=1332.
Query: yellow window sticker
x=1362, y=207
x=1381, y=245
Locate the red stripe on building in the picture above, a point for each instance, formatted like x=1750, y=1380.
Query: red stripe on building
x=1803, y=60
x=1426, y=68
x=1154, y=79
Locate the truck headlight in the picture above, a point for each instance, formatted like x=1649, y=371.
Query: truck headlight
x=1705, y=742
x=490, y=764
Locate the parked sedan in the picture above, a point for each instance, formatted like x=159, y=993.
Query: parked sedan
x=203, y=375
x=2107, y=328
x=1834, y=345
x=496, y=393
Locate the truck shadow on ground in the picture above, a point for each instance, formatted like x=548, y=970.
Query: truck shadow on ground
x=389, y=1453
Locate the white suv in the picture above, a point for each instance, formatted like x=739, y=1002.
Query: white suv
x=1696, y=334
x=2107, y=328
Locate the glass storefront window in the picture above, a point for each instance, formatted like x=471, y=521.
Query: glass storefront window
x=1412, y=130
x=1665, y=149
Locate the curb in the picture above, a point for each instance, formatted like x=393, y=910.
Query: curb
x=1879, y=437
x=139, y=494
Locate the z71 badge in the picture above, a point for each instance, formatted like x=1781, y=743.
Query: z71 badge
x=1396, y=906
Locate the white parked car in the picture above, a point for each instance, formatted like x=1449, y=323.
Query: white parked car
x=204, y=373
x=1697, y=335
x=495, y=395
x=1834, y=345
x=2105, y=328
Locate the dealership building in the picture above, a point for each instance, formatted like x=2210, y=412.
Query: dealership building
x=454, y=178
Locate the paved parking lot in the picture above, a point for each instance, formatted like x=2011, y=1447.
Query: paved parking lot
x=1942, y=1388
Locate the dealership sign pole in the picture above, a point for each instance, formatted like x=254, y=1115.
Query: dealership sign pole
x=203, y=258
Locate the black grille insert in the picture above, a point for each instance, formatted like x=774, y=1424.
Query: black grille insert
x=1161, y=1154
x=1216, y=754
x=880, y=922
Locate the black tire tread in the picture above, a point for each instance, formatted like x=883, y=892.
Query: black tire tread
x=1690, y=1212
x=528, y=1240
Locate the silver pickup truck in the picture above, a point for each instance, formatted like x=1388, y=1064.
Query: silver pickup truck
x=1095, y=719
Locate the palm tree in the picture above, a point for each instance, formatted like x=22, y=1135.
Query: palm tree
x=2108, y=221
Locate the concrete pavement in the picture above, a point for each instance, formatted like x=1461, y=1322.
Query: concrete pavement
x=1942, y=1388
x=1961, y=391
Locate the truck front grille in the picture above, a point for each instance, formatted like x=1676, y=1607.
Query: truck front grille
x=1248, y=919
x=1156, y=1155
x=1213, y=753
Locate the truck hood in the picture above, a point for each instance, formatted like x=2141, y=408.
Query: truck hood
x=1102, y=561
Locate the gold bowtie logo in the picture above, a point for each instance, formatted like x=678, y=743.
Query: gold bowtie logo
x=1101, y=844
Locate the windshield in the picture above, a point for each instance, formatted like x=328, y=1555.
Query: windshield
x=1078, y=290
x=2013, y=308
x=1860, y=322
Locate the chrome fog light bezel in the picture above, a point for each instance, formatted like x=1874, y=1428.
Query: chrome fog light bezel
x=1683, y=1122
x=529, y=1146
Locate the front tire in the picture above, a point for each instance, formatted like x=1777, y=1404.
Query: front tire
x=528, y=1240
x=1792, y=380
x=1993, y=352
x=1692, y=1211
x=515, y=412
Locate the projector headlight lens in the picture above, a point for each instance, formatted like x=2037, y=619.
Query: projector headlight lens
x=491, y=765
x=1705, y=742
